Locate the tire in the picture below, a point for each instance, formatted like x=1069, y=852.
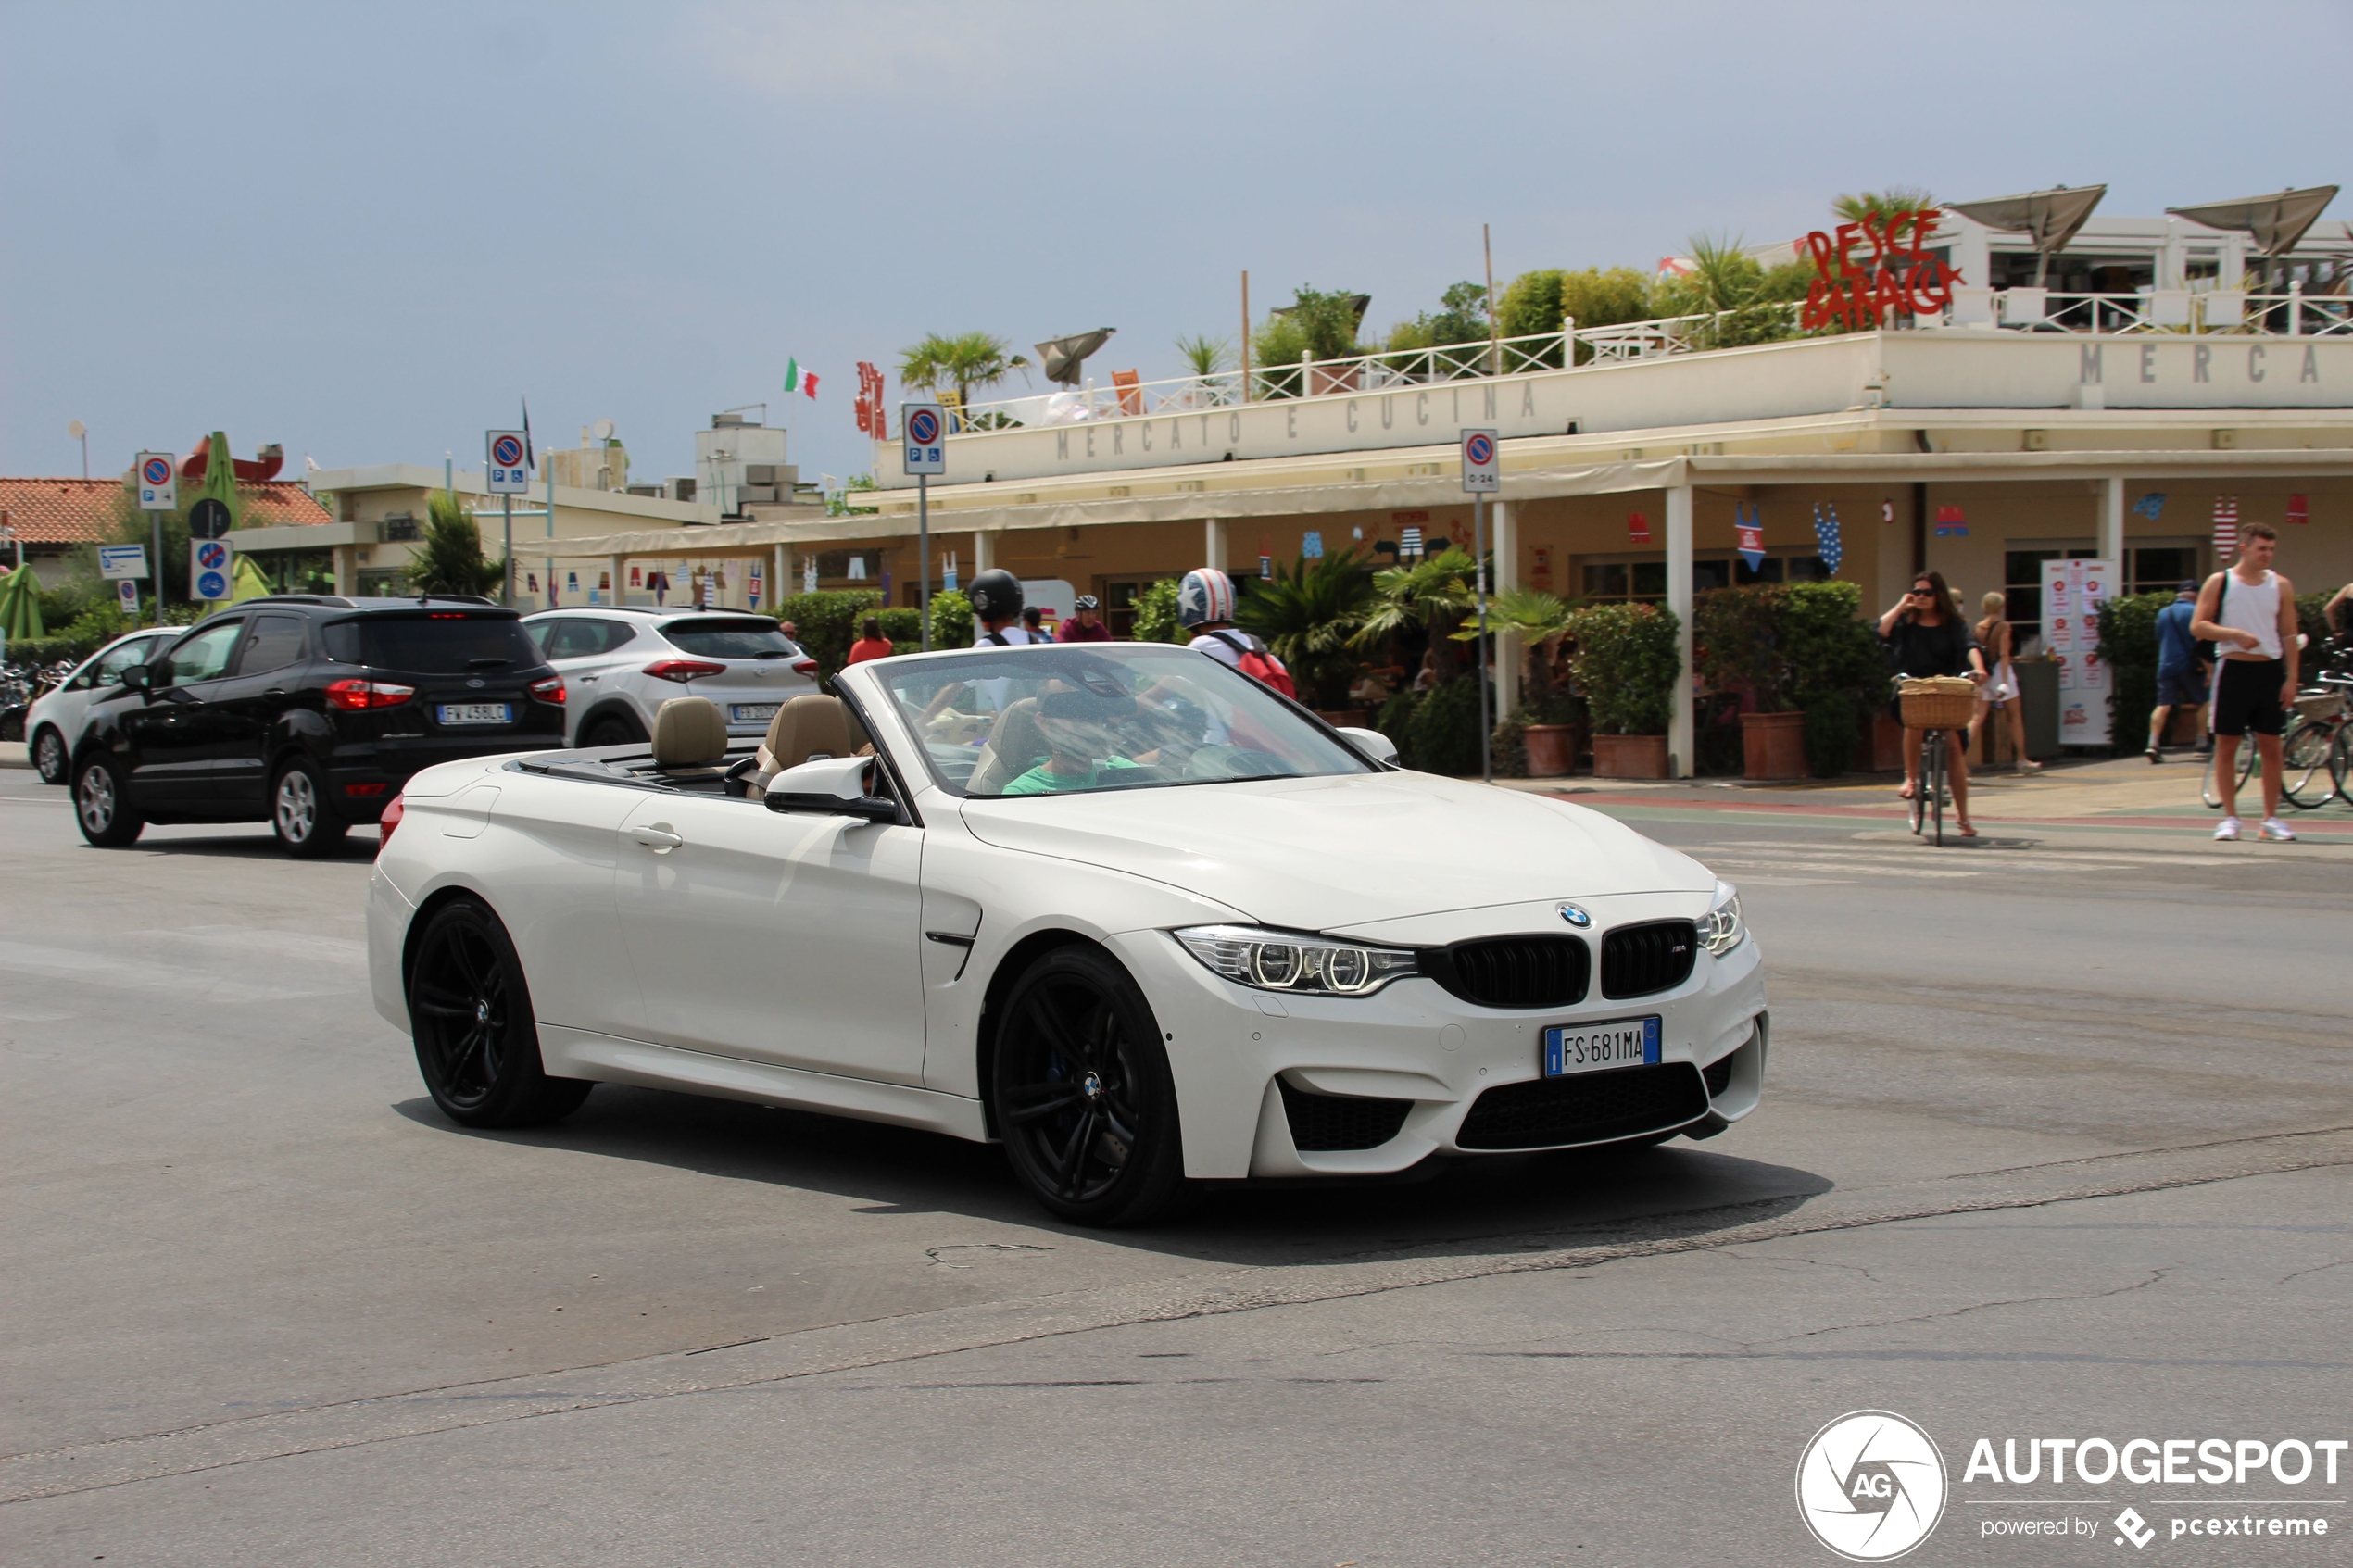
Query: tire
x=611, y=730
x=101, y=804
x=477, y=1040
x=2304, y=772
x=49, y=755
x=306, y=825
x=1081, y=1094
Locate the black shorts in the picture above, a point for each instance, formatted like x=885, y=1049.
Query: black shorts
x=2247, y=696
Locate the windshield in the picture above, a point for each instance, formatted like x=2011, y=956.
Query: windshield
x=729, y=639
x=1071, y=720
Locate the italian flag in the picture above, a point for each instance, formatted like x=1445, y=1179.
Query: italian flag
x=798, y=380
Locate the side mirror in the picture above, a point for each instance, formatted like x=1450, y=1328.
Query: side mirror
x=137, y=678
x=1373, y=744
x=833, y=786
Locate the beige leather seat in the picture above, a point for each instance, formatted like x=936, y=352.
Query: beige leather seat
x=805, y=728
x=1014, y=748
x=690, y=735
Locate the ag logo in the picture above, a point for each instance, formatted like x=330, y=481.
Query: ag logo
x=1870, y=1485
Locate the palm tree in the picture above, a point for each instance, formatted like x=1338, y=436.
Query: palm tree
x=964, y=362
x=449, y=558
x=1539, y=618
x=1206, y=356
x=1429, y=595
x=1884, y=204
x=1307, y=615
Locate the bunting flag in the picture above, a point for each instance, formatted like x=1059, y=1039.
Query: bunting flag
x=948, y=573
x=1887, y=513
x=757, y=581
x=1310, y=545
x=1637, y=529
x=798, y=380
x=2299, y=510
x=1825, y=539
x=2226, y=526
x=1409, y=543
x=1950, y=523
x=1751, y=535
x=2150, y=505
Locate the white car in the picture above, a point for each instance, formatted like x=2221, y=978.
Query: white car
x=1115, y=905
x=53, y=726
x=619, y=666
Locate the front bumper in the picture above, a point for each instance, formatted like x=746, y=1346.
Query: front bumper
x=1260, y=1073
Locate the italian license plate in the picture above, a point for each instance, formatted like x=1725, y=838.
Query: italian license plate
x=475, y=713
x=1582, y=1047
x=751, y=713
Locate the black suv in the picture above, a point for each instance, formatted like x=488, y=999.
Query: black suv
x=309, y=712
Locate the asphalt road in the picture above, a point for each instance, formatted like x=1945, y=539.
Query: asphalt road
x=2055, y=1145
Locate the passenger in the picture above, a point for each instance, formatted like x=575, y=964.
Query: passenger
x=871, y=643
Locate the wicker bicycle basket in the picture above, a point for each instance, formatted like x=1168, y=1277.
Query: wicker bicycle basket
x=1938, y=702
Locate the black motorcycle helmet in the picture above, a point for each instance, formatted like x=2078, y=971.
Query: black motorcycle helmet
x=996, y=595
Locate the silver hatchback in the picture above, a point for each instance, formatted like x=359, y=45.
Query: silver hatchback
x=619, y=666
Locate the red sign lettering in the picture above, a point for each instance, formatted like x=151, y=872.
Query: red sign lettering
x=1898, y=275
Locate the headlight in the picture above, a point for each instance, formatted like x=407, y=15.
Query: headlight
x=1280, y=960
x=1721, y=929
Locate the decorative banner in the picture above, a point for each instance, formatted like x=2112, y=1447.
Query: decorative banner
x=571, y=582
x=948, y=577
x=2151, y=505
x=531, y=582
x=1266, y=558
x=809, y=574
x=857, y=568
x=1887, y=512
x=1826, y=538
x=1950, y=523
x=2226, y=526
x=872, y=420
x=1410, y=542
x=1312, y=544
x=1751, y=535
x=636, y=576
x=659, y=580
x=1541, y=571
x=2298, y=511
x=1637, y=529
x=759, y=581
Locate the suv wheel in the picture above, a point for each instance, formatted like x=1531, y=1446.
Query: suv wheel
x=49, y=755
x=101, y=804
x=299, y=814
x=613, y=730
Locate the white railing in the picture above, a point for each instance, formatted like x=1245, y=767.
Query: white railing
x=2293, y=314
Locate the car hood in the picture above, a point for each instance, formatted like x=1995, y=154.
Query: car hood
x=1327, y=853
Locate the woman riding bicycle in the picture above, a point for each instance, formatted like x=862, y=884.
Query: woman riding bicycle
x=1925, y=635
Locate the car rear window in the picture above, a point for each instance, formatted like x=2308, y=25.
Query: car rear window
x=737, y=637
x=432, y=643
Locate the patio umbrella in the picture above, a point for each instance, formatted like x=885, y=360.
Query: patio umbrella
x=20, y=604
x=249, y=582
x=1064, y=356
x=2277, y=222
x=2049, y=218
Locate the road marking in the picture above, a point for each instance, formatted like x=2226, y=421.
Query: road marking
x=1846, y=868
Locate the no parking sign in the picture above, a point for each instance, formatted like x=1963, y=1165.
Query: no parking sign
x=1481, y=467
x=510, y=473
x=208, y=567
x=925, y=426
x=158, y=485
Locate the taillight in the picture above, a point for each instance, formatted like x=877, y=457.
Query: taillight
x=805, y=666
x=684, y=669
x=549, y=690
x=389, y=820
x=355, y=697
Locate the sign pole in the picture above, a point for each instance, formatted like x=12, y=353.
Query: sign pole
x=159, y=570
x=507, y=597
x=1486, y=724
x=922, y=427
x=923, y=550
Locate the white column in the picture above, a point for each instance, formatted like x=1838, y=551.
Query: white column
x=776, y=589
x=1213, y=542
x=613, y=565
x=1508, y=654
x=983, y=551
x=2112, y=526
x=1680, y=739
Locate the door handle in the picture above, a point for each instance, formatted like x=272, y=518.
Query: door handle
x=274, y=693
x=587, y=679
x=657, y=839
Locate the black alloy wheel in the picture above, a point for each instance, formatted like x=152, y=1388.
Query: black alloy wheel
x=101, y=804
x=1081, y=1091
x=470, y=1013
x=49, y=755
x=299, y=813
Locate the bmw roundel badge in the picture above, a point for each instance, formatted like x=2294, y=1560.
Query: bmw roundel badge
x=1575, y=916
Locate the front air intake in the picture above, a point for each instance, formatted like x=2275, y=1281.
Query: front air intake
x=1325, y=1122
x=1642, y=961
x=1622, y=1102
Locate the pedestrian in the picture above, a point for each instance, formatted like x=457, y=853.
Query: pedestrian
x=1924, y=637
x=1033, y=620
x=871, y=643
x=2181, y=676
x=789, y=629
x=2248, y=613
x=1999, y=694
x=1085, y=624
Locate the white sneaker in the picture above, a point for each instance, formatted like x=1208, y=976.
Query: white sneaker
x=2274, y=831
x=2229, y=830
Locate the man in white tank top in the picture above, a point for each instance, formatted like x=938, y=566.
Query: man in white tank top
x=2248, y=613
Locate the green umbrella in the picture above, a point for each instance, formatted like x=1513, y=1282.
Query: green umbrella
x=249, y=581
x=20, y=604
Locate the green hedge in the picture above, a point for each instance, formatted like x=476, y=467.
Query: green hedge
x=1444, y=728
x=1625, y=666
x=2127, y=627
x=827, y=623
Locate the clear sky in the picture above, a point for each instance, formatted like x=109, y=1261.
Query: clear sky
x=364, y=231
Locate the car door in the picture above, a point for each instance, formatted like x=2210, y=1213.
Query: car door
x=95, y=681
x=178, y=732
x=250, y=700
x=583, y=650
x=785, y=937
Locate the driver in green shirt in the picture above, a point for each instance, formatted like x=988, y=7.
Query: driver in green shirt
x=1081, y=730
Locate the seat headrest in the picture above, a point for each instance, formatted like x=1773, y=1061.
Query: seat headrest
x=1014, y=748
x=808, y=726
x=689, y=731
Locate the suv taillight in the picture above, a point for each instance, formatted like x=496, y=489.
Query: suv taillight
x=549, y=690
x=805, y=666
x=354, y=696
x=389, y=820
x=684, y=669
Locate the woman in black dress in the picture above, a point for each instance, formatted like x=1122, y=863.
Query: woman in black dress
x=1925, y=635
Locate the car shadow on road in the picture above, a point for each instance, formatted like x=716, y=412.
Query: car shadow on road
x=1497, y=1203
x=359, y=848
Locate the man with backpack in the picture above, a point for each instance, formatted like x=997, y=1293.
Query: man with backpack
x=1205, y=605
x=2248, y=613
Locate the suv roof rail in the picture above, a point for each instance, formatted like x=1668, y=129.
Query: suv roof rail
x=333, y=601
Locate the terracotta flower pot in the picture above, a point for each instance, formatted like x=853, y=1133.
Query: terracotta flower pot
x=1552, y=750
x=1630, y=756
x=1773, y=745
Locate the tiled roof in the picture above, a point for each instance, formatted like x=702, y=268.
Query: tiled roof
x=81, y=511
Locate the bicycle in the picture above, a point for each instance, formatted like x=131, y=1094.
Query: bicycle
x=2314, y=751
x=1938, y=704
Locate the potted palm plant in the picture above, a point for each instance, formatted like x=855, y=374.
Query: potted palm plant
x=1307, y=614
x=1547, y=741
x=1626, y=668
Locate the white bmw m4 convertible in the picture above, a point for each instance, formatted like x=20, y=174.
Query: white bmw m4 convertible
x=1116, y=906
